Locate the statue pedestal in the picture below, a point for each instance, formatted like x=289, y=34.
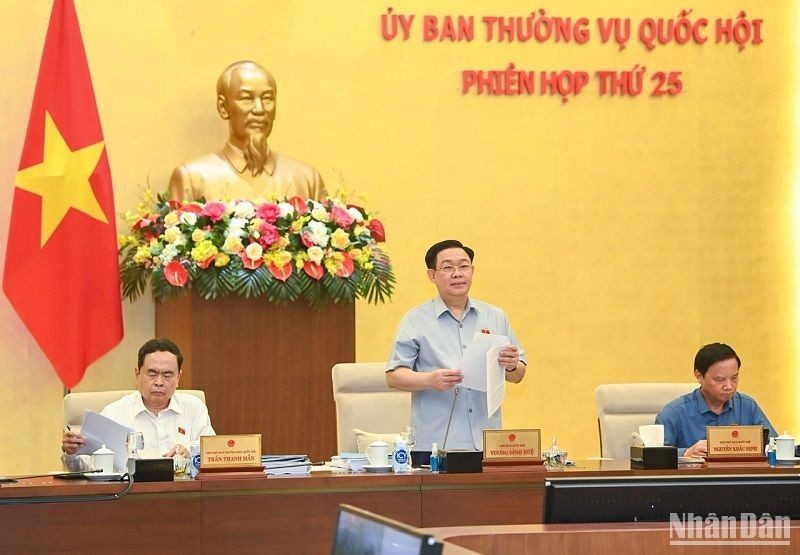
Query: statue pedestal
x=264, y=368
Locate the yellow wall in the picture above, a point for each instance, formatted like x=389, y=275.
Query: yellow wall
x=619, y=234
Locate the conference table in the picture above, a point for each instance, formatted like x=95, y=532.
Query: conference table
x=288, y=514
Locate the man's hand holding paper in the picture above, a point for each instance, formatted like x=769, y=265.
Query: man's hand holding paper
x=71, y=442
x=444, y=378
x=473, y=364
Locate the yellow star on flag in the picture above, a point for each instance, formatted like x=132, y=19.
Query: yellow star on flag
x=62, y=179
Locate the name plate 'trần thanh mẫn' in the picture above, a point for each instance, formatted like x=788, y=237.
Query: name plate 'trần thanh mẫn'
x=230, y=452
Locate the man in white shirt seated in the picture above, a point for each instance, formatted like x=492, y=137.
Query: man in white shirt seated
x=170, y=421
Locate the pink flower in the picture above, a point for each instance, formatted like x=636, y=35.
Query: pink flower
x=307, y=239
x=214, y=210
x=341, y=217
x=269, y=234
x=268, y=212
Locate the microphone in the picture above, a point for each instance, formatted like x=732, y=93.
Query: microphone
x=449, y=420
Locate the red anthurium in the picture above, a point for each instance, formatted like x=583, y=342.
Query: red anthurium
x=192, y=207
x=207, y=262
x=176, y=274
x=299, y=204
x=313, y=270
x=249, y=263
x=376, y=228
x=281, y=273
x=347, y=267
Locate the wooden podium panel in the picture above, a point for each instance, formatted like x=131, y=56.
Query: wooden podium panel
x=264, y=368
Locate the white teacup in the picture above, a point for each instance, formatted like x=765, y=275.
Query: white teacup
x=784, y=446
x=378, y=453
x=103, y=459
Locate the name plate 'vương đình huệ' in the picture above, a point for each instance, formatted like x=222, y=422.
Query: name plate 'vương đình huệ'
x=512, y=447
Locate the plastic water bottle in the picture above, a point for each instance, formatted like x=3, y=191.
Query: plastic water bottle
x=400, y=455
x=194, y=459
x=435, y=458
x=771, y=452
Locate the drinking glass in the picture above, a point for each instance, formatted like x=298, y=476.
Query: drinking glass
x=409, y=434
x=181, y=467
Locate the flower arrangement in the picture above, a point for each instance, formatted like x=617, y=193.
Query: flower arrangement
x=282, y=249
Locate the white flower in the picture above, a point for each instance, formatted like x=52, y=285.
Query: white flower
x=320, y=214
x=315, y=254
x=319, y=233
x=233, y=245
x=188, y=218
x=254, y=251
x=286, y=209
x=355, y=213
x=244, y=209
x=236, y=228
x=171, y=219
x=174, y=236
x=169, y=252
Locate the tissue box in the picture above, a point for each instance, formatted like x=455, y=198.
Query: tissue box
x=461, y=461
x=654, y=458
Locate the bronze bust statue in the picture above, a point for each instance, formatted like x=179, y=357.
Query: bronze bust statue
x=246, y=167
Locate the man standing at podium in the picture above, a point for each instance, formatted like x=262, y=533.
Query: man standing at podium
x=169, y=420
x=246, y=167
x=430, y=342
x=715, y=403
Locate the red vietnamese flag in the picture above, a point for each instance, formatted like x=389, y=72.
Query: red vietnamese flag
x=61, y=272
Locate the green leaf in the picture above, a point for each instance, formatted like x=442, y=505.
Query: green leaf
x=252, y=283
x=211, y=282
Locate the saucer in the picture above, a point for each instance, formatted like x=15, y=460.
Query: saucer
x=377, y=467
x=791, y=460
x=104, y=477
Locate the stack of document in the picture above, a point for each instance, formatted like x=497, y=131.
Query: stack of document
x=276, y=465
x=353, y=462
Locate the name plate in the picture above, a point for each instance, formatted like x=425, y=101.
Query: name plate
x=518, y=446
x=739, y=442
x=230, y=451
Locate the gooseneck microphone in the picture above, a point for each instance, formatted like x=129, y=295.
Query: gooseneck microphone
x=449, y=420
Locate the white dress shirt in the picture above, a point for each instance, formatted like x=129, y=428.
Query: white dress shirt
x=182, y=422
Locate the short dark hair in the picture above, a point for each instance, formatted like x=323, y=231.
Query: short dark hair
x=713, y=353
x=157, y=346
x=430, y=256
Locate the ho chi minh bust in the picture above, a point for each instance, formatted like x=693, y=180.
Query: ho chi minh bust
x=246, y=167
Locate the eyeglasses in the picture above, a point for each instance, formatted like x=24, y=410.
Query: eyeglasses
x=450, y=270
